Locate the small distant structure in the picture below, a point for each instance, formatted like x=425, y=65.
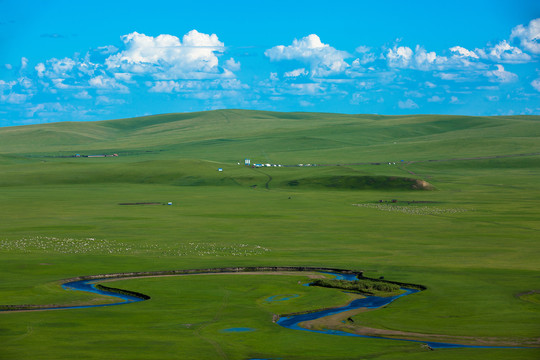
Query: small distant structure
x=247, y=162
x=220, y=169
x=169, y=203
x=77, y=155
x=102, y=155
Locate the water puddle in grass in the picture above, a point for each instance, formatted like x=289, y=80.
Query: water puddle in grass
x=281, y=297
x=238, y=329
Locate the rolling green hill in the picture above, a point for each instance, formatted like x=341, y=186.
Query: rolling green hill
x=232, y=135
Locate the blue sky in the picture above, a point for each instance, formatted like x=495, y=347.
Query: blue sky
x=80, y=61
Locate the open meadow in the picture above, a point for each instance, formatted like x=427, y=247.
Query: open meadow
x=459, y=215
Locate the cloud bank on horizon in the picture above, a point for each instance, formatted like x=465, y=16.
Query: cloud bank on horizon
x=198, y=71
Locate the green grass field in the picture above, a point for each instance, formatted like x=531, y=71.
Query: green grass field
x=473, y=240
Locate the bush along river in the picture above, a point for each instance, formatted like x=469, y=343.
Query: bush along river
x=290, y=321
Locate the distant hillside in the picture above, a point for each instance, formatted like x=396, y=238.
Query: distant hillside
x=230, y=136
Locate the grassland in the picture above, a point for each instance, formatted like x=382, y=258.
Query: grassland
x=473, y=240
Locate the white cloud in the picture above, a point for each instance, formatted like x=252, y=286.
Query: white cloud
x=414, y=93
x=405, y=58
x=40, y=68
x=164, y=87
x=232, y=65
x=105, y=100
x=47, y=109
x=65, y=68
x=323, y=58
x=504, y=52
x=25, y=82
x=296, y=73
x=367, y=56
x=165, y=57
x=194, y=86
x=125, y=77
x=430, y=84
x=109, y=49
x=492, y=98
x=399, y=56
x=407, y=104
x=435, y=98
x=358, y=98
x=8, y=66
x=106, y=83
x=536, y=84
x=24, y=63
x=9, y=91
x=305, y=103
x=461, y=51
x=61, y=67
x=454, y=100
x=500, y=75
x=450, y=76
x=528, y=36
x=13, y=98
x=308, y=89
x=487, y=88
x=82, y=95
x=7, y=84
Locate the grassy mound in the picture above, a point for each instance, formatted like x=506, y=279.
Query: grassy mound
x=362, y=183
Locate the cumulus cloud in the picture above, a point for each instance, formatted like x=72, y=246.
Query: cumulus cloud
x=504, y=52
x=461, y=51
x=399, y=56
x=65, y=68
x=232, y=65
x=420, y=59
x=500, y=75
x=528, y=36
x=323, y=58
x=296, y=73
x=536, y=84
x=407, y=104
x=165, y=57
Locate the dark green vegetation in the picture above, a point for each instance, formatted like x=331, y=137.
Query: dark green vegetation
x=473, y=240
x=364, y=286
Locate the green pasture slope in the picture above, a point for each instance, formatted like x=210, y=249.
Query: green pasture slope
x=473, y=239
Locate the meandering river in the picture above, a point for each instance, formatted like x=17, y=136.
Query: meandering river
x=291, y=322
